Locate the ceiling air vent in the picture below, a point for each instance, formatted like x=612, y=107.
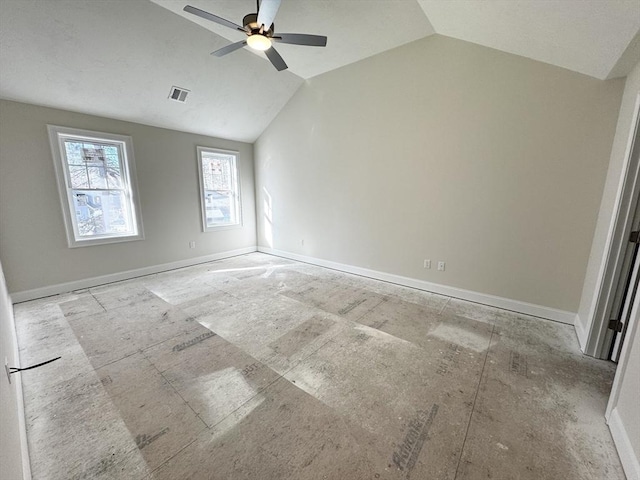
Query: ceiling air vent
x=178, y=94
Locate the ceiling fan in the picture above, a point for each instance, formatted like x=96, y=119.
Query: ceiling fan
x=259, y=29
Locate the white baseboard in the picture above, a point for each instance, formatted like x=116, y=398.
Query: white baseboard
x=27, y=295
x=628, y=458
x=581, y=333
x=477, y=297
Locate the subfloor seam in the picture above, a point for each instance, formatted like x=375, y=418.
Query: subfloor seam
x=473, y=408
x=178, y=393
x=97, y=301
x=139, y=350
x=444, y=306
x=264, y=389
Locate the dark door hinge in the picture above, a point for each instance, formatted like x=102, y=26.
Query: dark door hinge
x=615, y=325
x=635, y=237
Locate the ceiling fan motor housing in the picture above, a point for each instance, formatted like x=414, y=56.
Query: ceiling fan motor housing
x=259, y=37
x=250, y=22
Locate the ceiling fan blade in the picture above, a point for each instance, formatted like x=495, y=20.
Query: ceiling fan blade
x=229, y=48
x=212, y=17
x=267, y=12
x=301, y=39
x=275, y=59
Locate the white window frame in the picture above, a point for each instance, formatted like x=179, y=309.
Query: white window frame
x=238, y=197
x=57, y=137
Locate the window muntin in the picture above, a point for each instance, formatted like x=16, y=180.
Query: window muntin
x=96, y=182
x=219, y=187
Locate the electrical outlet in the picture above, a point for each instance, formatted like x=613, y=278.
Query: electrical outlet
x=427, y=264
x=192, y=244
x=441, y=266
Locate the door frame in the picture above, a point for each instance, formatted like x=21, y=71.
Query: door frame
x=616, y=423
x=598, y=341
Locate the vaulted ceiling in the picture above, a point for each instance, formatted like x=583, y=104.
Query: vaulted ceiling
x=119, y=59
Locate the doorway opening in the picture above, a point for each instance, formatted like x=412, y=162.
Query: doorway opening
x=620, y=273
x=626, y=289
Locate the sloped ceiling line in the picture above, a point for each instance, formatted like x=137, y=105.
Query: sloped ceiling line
x=121, y=62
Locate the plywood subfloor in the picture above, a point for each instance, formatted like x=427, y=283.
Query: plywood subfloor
x=257, y=367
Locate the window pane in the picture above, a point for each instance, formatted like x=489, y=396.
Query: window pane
x=113, y=178
x=219, y=208
x=78, y=177
x=73, y=152
x=93, y=154
x=101, y=212
x=97, y=186
x=220, y=197
x=113, y=162
x=97, y=177
x=110, y=150
x=217, y=172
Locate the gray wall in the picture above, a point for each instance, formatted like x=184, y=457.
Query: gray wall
x=33, y=245
x=11, y=412
x=444, y=150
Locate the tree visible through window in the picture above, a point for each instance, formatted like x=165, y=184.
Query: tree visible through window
x=94, y=176
x=220, y=196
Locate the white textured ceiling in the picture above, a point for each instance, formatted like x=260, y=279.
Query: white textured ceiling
x=587, y=36
x=356, y=29
x=119, y=58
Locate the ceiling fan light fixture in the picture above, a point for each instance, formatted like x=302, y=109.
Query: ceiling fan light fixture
x=259, y=36
x=259, y=42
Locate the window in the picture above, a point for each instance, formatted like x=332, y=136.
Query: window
x=96, y=181
x=219, y=188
